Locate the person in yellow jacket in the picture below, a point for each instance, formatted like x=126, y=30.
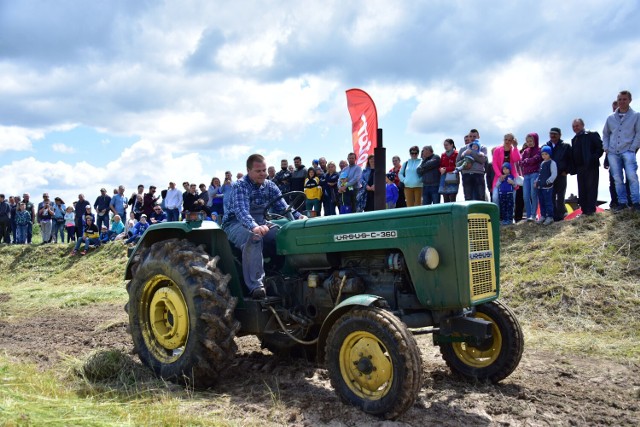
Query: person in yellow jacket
x=313, y=191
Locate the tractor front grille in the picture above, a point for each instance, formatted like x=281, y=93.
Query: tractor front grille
x=482, y=276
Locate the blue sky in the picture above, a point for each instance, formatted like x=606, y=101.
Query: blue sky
x=99, y=94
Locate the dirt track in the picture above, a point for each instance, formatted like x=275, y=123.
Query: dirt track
x=546, y=389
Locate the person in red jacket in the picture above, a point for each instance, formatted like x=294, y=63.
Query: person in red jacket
x=449, y=190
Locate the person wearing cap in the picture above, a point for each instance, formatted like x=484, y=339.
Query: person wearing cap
x=101, y=205
x=80, y=207
x=104, y=235
x=544, y=183
x=561, y=155
x=586, y=149
x=138, y=230
x=58, y=227
x=621, y=141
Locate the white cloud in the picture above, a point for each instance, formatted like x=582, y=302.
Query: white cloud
x=62, y=148
x=13, y=138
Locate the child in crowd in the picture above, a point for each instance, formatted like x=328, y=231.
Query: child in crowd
x=104, y=234
x=313, y=191
x=23, y=219
x=70, y=224
x=466, y=162
x=392, y=190
x=506, y=190
x=544, y=184
x=138, y=230
x=214, y=216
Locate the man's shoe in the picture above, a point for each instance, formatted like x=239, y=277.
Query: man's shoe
x=548, y=221
x=620, y=207
x=258, y=293
x=636, y=207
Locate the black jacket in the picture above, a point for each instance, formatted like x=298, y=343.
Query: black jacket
x=586, y=151
x=561, y=154
x=429, y=170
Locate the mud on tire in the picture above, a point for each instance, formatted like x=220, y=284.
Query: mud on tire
x=181, y=315
x=498, y=357
x=374, y=362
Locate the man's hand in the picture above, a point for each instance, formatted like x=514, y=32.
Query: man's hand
x=260, y=230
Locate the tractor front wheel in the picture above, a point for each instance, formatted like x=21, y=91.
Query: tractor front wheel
x=181, y=315
x=374, y=362
x=495, y=359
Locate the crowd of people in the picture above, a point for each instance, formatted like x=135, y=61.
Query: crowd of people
x=528, y=183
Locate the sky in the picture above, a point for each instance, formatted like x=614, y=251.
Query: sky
x=101, y=93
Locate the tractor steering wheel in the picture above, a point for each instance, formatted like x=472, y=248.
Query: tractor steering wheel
x=295, y=200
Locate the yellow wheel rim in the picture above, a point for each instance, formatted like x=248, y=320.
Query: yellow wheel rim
x=366, y=365
x=480, y=357
x=164, y=318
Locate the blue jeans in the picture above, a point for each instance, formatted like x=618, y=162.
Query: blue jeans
x=87, y=241
x=21, y=234
x=530, y=194
x=625, y=161
x=545, y=195
x=58, y=229
x=173, y=214
x=430, y=195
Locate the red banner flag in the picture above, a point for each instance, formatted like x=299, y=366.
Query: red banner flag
x=364, y=128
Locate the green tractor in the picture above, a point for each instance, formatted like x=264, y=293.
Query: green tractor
x=351, y=291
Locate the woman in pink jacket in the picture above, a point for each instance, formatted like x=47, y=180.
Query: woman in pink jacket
x=507, y=153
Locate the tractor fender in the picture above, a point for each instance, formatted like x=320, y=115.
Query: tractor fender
x=363, y=300
x=207, y=233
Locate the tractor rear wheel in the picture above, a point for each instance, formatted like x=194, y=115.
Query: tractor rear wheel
x=495, y=359
x=181, y=314
x=374, y=362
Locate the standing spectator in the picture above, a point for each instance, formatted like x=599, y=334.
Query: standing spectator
x=349, y=186
x=313, y=191
x=5, y=220
x=138, y=206
x=216, y=196
x=561, y=155
x=544, y=184
x=15, y=205
x=410, y=178
x=163, y=194
x=190, y=199
x=101, y=205
x=134, y=196
x=612, y=183
x=299, y=175
x=530, y=162
x=329, y=184
x=90, y=236
x=150, y=199
x=271, y=173
x=173, y=202
x=586, y=149
x=506, y=196
x=519, y=194
x=343, y=164
x=283, y=177
x=449, y=190
x=323, y=164
x=395, y=169
x=118, y=203
x=70, y=224
x=429, y=171
x=392, y=192
x=204, y=194
x=227, y=187
x=473, y=178
x=157, y=216
x=506, y=153
x=291, y=169
x=239, y=176
x=365, y=197
x=45, y=218
x=23, y=219
x=29, y=207
x=81, y=210
x=621, y=140
x=59, y=210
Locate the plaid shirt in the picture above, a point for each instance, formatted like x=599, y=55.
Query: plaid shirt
x=244, y=193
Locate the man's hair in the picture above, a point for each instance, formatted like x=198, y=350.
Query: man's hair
x=350, y=154
x=297, y=158
x=284, y=160
x=152, y=187
x=579, y=120
x=254, y=158
x=428, y=147
x=2, y=195
x=186, y=182
x=626, y=92
x=140, y=185
x=474, y=131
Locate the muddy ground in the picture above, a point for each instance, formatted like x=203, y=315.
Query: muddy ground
x=546, y=389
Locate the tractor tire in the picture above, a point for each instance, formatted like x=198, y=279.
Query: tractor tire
x=374, y=362
x=181, y=315
x=498, y=357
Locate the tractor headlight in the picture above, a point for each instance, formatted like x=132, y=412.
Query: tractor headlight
x=429, y=258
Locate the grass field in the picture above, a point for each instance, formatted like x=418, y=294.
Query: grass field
x=574, y=288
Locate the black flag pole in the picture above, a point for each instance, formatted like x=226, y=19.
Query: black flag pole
x=379, y=156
